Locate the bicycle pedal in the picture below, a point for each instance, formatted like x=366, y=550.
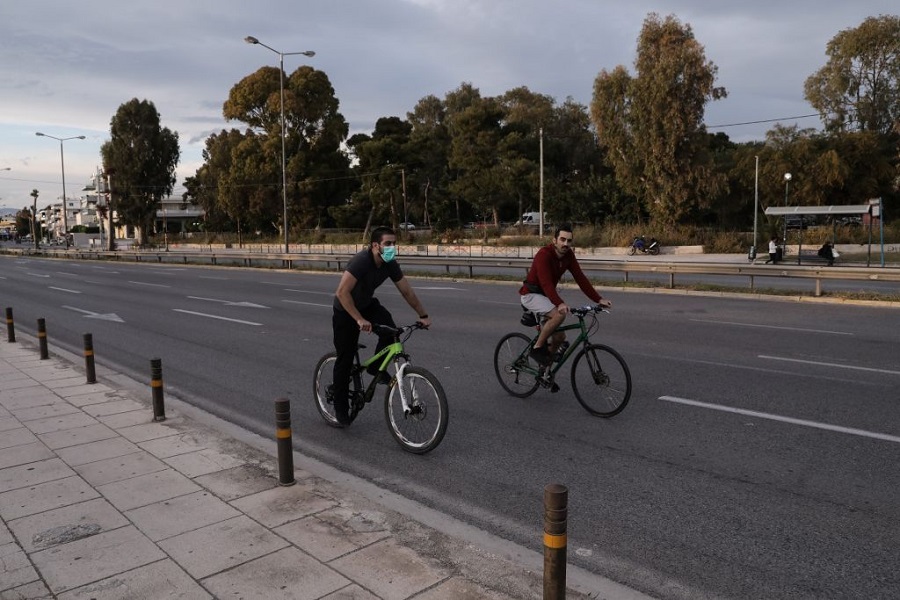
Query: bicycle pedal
x=554, y=388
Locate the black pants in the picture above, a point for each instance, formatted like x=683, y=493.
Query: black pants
x=346, y=342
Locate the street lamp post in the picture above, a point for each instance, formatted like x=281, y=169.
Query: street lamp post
x=252, y=40
x=787, y=185
x=62, y=161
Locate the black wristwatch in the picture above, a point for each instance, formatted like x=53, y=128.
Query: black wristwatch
x=423, y=316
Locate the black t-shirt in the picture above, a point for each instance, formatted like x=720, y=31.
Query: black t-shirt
x=368, y=278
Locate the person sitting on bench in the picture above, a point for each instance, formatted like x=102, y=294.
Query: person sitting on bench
x=827, y=252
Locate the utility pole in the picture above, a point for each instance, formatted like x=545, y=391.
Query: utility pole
x=34, y=231
x=541, y=192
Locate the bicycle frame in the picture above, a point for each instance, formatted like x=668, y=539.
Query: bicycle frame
x=385, y=356
x=555, y=366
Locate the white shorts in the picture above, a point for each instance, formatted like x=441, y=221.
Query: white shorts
x=538, y=303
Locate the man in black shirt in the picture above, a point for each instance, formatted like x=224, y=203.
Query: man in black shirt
x=356, y=308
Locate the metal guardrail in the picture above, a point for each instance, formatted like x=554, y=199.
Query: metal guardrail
x=471, y=264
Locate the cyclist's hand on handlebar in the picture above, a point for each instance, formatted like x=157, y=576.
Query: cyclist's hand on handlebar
x=563, y=308
x=604, y=303
x=424, y=323
x=364, y=325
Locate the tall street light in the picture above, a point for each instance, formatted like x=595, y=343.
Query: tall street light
x=252, y=40
x=62, y=161
x=787, y=185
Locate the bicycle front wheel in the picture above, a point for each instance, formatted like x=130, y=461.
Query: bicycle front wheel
x=515, y=370
x=601, y=380
x=322, y=385
x=422, y=427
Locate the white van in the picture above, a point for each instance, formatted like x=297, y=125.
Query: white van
x=532, y=218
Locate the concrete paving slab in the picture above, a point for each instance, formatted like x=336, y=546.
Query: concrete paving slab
x=150, y=431
x=44, y=496
x=147, y=489
x=335, y=532
x=82, y=389
x=18, y=384
x=168, y=518
x=127, y=419
x=4, y=414
x=238, y=482
x=118, y=468
x=221, y=546
x=182, y=443
x=460, y=589
x=6, y=536
x=64, y=384
x=281, y=505
x=15, y=568
x=77, y=436
x=46, y=410
x=203, y=462
x=162, y=580
x=391, y=571
x=20, y=476
x=83, y=454
x=9, y=422
x=351, y=592
x=94, y=397
x=84, y=561
x=61, y=422
x=285, y=575
x=36, y=590
x=46, y=374
x=16, y=437
x=26, y=398
x=23, y=453
x=66, y=524
x=113, y=407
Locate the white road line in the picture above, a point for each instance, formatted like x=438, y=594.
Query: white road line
x=200, y=314
x=833, y=365
x=791, y=420
x=217, y=278
x=36, y=274
x=309, y=292
x=64, y=290
x=149, y=284
x=772, y=327
x=307, y=303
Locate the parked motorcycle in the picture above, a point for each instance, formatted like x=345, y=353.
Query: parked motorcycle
x=641, y=245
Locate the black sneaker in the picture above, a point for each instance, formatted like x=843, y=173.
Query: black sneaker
x=541, y=355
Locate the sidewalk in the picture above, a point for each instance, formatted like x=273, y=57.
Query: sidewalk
x=97, y=501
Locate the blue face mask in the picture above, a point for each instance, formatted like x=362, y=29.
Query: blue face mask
x=388, y=253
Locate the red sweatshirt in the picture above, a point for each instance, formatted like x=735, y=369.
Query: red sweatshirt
x=547, y=269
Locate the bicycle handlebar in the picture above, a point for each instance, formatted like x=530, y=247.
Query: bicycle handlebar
x=583, y=310
x=396, y=331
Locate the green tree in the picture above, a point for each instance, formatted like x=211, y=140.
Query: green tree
x=317, y=170
x=859, y=86
x=652, y=124
x=143, y=155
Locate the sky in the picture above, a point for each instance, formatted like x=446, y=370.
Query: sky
x=66, y=67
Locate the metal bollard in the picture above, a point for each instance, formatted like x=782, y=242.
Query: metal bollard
x=156, y=385
x=284, y=441
x=42, y=339
x=556, y=499
x=10, y=328
x=89, y=358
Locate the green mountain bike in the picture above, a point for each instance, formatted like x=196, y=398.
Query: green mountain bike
x=600, y=377
x=415, y=405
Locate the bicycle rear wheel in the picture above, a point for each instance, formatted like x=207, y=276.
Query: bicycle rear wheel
x=601, y=380
x=322, y=384
x=510, y=361
x=422, y=428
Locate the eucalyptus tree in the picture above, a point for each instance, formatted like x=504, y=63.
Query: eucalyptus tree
x=143, y=155
x=651, y=124
x=317, y=169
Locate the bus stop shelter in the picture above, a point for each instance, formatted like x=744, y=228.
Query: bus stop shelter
x=872, y=209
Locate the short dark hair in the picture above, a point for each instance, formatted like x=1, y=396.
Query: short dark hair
x=378, y=234
x=562, y=227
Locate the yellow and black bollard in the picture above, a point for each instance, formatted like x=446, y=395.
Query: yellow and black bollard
x=556, y=499
x=89, y=358
x=10, y=328
x=156, y=386
x=284, y=442
x=42, y=339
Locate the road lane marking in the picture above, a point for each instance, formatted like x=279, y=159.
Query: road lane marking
x=229, y=302
x=772, y=327
x=761, y=415
x=150, y=284
x=93, y=315
x=833, y=365
x=309, y=292
x=64, y=290
x=208, y=316
x=36, y=274
x=307, y=303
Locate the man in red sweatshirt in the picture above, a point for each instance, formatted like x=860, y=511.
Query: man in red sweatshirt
x=539, y=290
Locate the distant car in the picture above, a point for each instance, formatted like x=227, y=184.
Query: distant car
x=850, y=221
x=407, y=226
x=799, y=221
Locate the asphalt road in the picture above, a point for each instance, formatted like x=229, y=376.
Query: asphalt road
x=757, y=459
